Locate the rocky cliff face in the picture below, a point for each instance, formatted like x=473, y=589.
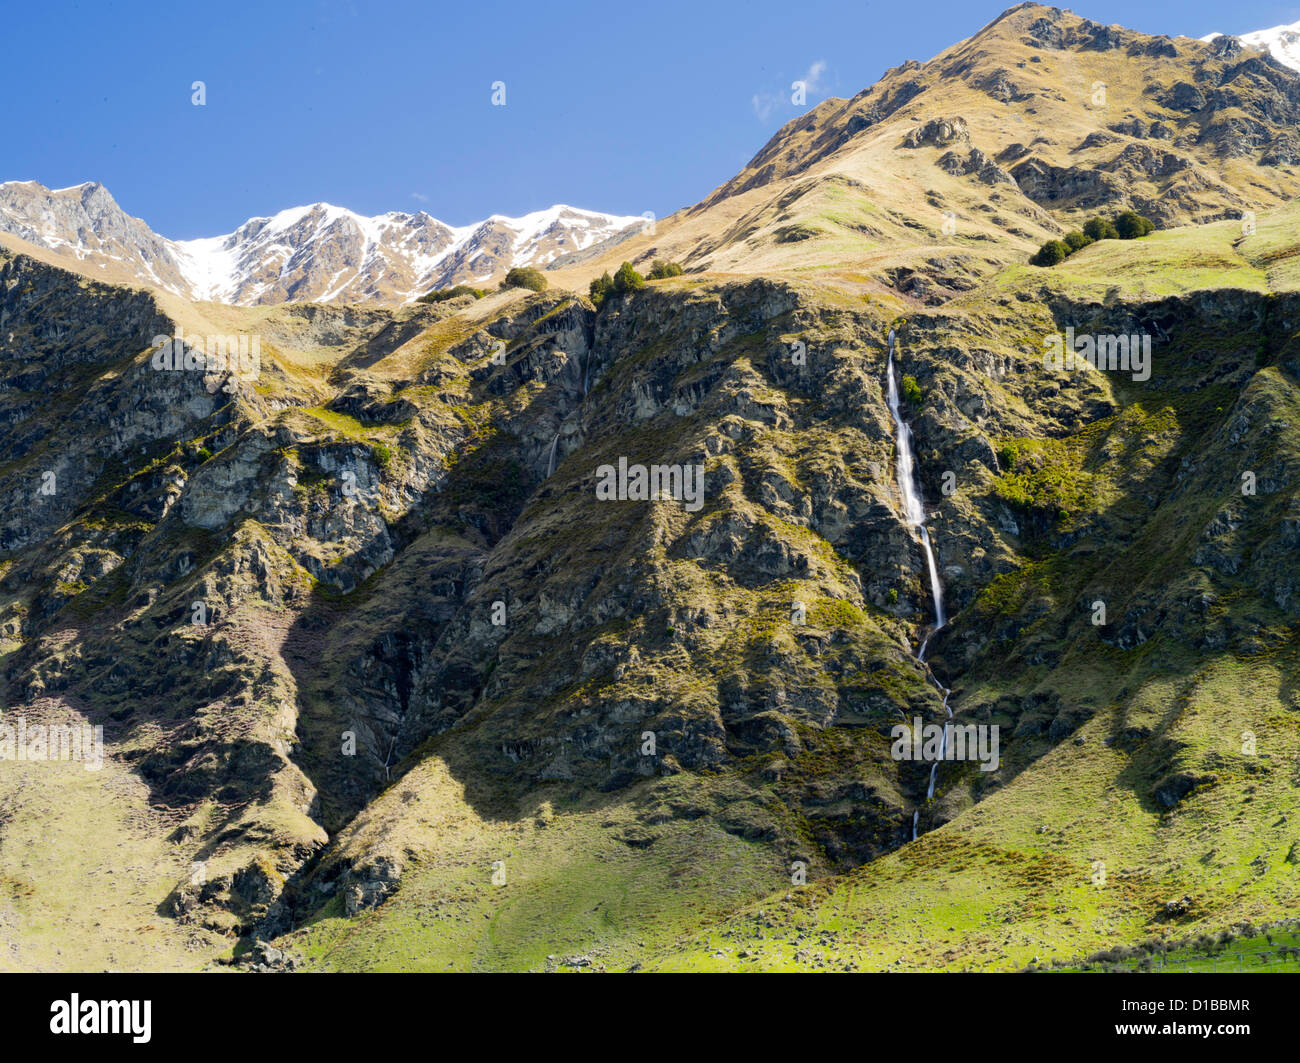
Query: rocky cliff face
x=282, y=594
x=377, y=531
x=386, y=638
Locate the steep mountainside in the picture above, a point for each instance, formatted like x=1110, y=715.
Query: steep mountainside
x=319, y=253
x=398, y=668
x=943, y=172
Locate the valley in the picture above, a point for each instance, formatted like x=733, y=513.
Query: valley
x=401, y=667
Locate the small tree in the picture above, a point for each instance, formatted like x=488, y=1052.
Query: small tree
x=661, y=269
x=1050, y=254
x=628, y=279
x=525, y=277
x=1076, y=241
x=600, y=288
x=1130, y=225
x=911, y=391
x=1100, y=228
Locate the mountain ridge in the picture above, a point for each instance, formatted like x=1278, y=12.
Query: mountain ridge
x=313, y=253
x=944, y=171
x=1178, y=141
x=1281, y=42
x=387, y=680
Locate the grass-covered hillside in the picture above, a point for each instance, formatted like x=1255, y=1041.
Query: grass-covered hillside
x=387, y=681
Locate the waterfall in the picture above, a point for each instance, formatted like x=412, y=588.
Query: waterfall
x=550, y=461
x=943, y=746
x=914, y=512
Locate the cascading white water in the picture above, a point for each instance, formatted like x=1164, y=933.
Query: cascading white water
x=550, y=461
x=943, y=747
x=914, y=511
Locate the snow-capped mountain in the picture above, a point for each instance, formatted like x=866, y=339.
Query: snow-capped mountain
x=1282, y=42
x=319, y=253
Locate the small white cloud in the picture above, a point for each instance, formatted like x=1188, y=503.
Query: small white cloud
x=420, y=196
x=765, y=103
x=813, y=79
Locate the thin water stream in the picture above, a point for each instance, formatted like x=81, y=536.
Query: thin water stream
x=914, y=511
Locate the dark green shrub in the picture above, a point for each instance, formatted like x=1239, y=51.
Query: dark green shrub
x=1131, y=225
x=1100, y=228
x=1076, y=241
x=525, y=277
x=441, y=295
x=628, y=279
x=661, y=269
x=1050, y=254
x=599, y=288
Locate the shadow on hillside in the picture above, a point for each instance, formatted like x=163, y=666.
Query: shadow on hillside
x=1136, y=551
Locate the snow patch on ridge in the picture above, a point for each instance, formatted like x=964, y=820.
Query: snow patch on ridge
x=320, y=251
x=1282, y=42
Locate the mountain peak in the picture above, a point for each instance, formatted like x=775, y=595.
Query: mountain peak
x=317, y=252
x=1281, y=42
x=1012, y=137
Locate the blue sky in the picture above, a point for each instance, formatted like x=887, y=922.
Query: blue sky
x=624, y=107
